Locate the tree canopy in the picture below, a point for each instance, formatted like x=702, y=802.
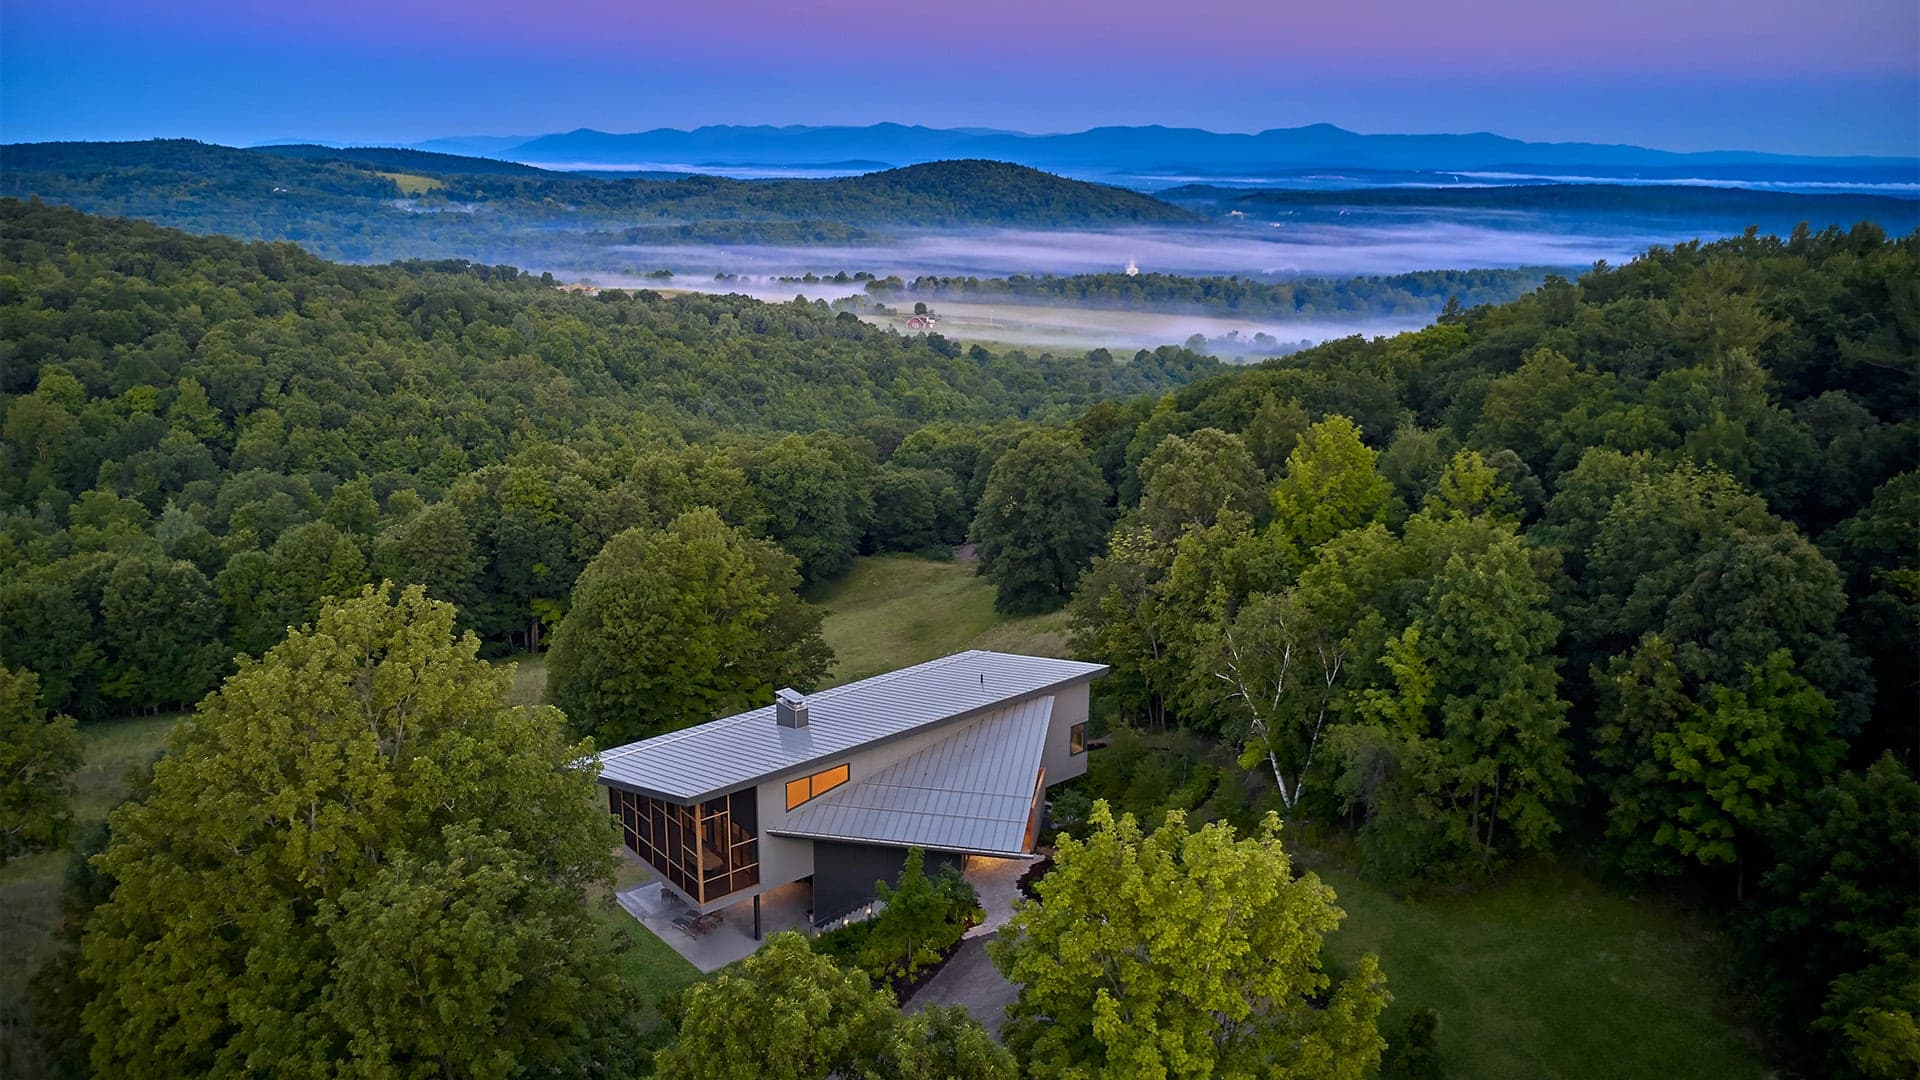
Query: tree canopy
x=356, y=855
x=680, y=625
x=1043, y=517
x=1183, y=954
x=38, y=755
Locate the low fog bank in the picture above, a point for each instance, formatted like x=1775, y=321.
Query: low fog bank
x=1038, y=324
x=1312, y=250
x=1336, y=249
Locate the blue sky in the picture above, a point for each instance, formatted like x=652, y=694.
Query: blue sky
x=1779, y=75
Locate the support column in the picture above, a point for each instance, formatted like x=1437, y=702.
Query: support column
x=756, y=916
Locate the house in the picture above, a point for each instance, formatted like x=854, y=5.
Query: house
x=920, y=322
x=952, y=756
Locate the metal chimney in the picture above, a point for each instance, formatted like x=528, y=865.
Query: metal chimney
x=790, y=708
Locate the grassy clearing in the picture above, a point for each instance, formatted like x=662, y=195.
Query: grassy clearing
x=529, y=679
x=414, y=183
x=648, y=964
x=1551, y=974
x=894, y=610
x=30, y=886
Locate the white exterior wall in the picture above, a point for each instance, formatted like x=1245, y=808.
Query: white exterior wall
x=1069, y=708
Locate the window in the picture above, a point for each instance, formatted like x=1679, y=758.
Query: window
x=1077, y=738
x=812, y=787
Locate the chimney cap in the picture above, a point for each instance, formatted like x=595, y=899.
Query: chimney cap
x=789, y=708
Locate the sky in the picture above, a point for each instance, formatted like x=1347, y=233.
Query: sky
x=1789, y=76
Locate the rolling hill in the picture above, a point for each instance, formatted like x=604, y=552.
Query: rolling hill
x=379, y=204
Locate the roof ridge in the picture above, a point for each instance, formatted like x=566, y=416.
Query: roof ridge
x=668, y=738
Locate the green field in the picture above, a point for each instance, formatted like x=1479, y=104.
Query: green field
x=414, y=183
x=895, y=610
x=1548, y=973
x=30, y=886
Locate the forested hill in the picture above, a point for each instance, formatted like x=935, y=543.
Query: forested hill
x=399, y=159
x=123, y=304
x=375, y=205
x=1717, y=209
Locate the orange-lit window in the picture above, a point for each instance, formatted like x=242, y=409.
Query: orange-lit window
x=824, y=782
x=1077, y=738
x=810, y=787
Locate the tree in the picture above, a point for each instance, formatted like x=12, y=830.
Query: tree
x=915, y=509
x=1042, y=519
x=1879, y=550
x=1189, y=480
x=1279, y=662
x=268, y=592
x=1119, y=616
x=787, y=1014
x=1274, y=431
x=816, y=500
x=1696, y=782
x=38, y=755
x=1835, y=937
x=919, y=917
x=677, y=626
x=944, y=1042
x=1540, y=411
x=352, y=508
x=434, y=548
x=354, y=824
x=1183, y=954
x=50, y=623
x=1331, y=485
x=163, y=628
x=1462, y=753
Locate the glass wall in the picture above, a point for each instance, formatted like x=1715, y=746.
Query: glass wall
x=707, y=851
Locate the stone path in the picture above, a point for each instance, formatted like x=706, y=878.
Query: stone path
x=970, y=981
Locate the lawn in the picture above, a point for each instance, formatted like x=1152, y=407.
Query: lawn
x=1549, y=973
x=529, y=679
x=30, y=885
x=890, y=611
x=648, y=964
x=414, y=183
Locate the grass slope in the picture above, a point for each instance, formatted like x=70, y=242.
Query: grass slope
x=890, y=611
x=30, y=885
x=1550, y=974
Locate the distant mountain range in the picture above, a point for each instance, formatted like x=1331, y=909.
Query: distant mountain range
x=1113, y=150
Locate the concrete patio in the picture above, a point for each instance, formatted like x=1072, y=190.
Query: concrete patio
x=787, y=907
x=782, y=908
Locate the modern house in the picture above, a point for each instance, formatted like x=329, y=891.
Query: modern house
x=952, y=756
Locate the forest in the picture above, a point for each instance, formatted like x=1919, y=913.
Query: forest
x=1424, y=293
x=1623, y=569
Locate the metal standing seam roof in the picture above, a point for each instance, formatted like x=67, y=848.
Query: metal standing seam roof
x=722, y=755
x=971, y=791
